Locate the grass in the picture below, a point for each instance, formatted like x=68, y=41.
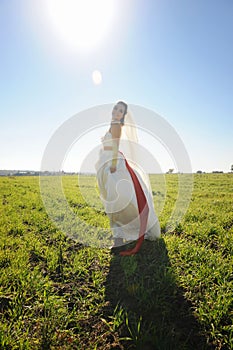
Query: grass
x=57, y=293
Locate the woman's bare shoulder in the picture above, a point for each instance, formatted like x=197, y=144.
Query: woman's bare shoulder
x=116, y=130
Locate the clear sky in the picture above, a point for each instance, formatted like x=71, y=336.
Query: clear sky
x=174, y=57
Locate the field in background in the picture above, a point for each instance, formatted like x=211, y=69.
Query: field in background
x=56, y=293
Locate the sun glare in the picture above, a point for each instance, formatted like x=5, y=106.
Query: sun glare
x=81, y=23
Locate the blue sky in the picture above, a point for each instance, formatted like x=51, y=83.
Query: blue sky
x=173, y=57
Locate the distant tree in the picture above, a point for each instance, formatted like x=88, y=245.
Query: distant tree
x=232, y=167
x=170, y=171
x=199, y=172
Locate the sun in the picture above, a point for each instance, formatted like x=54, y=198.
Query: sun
x=81, y=23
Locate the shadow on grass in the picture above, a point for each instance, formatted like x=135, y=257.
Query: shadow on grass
x=146, y=304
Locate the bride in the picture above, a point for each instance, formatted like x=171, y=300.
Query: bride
x=124, y=189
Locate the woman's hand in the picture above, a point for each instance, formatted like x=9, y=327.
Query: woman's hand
x=112, y=169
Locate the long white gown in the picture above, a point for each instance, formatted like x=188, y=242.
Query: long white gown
x=118, y=195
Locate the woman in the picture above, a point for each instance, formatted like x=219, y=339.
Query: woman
x=126, y=196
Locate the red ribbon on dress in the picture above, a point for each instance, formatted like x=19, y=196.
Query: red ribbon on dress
x=143, y=209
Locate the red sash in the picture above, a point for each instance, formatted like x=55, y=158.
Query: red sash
x=143, y=211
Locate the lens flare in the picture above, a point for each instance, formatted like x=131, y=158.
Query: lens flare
x=97, y=77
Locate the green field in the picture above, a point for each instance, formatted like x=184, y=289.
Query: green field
x=56, y=293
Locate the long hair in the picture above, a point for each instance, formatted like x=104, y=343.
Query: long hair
x=125, y=112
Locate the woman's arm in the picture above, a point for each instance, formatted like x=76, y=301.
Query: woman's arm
x=116, y=134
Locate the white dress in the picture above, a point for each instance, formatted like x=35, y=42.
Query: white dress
x=117, y=191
